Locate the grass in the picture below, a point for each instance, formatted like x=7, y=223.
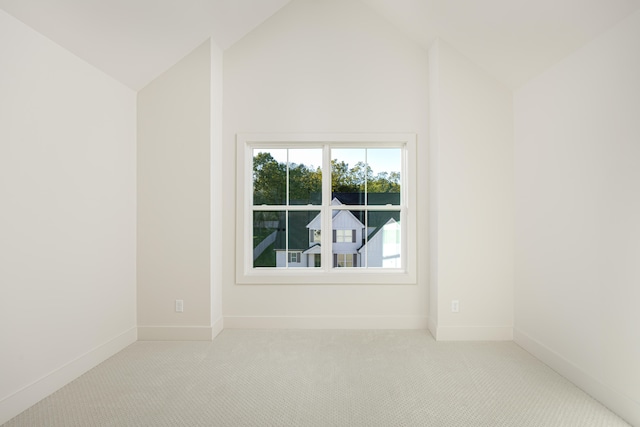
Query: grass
x=267, y=258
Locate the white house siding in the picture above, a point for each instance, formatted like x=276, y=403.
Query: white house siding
x=281, y=259
x=383, y=250
x=346, y=221
x=316, y=223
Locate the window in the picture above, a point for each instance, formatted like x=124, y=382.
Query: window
x=344, y=260
x=357, y=187
x=343, y=236
x=294, y=257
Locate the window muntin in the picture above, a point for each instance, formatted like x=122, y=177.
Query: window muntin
x=364, y=202
x=289, y=178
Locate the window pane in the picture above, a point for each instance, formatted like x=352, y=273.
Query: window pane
x=362, y=213
x=344, y=260
x=348, y=175
x=347, y=237
x=268, y=237
x=269, y=176
x=304, y=226
x=305, y=176
x=383, y=246
x=383, y=183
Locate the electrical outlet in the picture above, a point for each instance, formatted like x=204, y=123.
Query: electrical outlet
x=179, y=306
x=455, y=306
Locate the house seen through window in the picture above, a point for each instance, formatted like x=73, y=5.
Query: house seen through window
x=359, y=204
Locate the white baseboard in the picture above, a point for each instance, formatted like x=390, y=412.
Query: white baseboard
x=175, y=333
x=53, y=381
x=433, y=327
x=325, y=322
x=217, y=327
x=619, y=403
x=473, y=333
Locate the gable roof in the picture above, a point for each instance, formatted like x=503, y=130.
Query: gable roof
x=376, y=231
x=300, y=222
x=298, y=231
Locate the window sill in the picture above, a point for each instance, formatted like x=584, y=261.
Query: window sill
x=341, y=276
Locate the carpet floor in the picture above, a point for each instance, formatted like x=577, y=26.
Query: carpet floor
x=320, y=378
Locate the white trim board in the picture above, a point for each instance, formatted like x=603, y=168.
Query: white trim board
x=55, y=380
x=175, y=333
x=325, y=322
x=247, y=274
x=619, y=403
x=472, y=333
x=433, y=327
x=217, y=327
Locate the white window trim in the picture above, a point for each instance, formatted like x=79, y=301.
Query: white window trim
x=246, y=274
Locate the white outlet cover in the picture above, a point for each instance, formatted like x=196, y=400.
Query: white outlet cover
x=455, y=306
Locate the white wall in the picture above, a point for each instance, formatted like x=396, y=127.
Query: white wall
x=577, y=217
x=472, y=200
x=67, y=217
x=174, y=200
x=324, y=66
x=217, y=187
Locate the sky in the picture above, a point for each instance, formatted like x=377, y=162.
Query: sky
x=380, y=159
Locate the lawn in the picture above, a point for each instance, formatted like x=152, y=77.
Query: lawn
x=267, y=258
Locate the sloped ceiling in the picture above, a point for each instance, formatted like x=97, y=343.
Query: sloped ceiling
x=136, y=40
x=514, y=40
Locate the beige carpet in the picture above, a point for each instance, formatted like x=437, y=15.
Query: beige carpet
x=320, y=378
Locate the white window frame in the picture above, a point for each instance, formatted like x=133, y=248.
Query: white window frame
x=327, y=274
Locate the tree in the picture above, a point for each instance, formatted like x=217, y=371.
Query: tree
x=384, y=182
x=269, y=180
x=305, y=183
x=344, y=179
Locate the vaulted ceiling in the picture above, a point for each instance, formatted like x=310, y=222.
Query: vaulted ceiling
x=136, y=40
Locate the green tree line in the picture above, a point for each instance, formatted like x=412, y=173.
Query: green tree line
x=305, y=183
